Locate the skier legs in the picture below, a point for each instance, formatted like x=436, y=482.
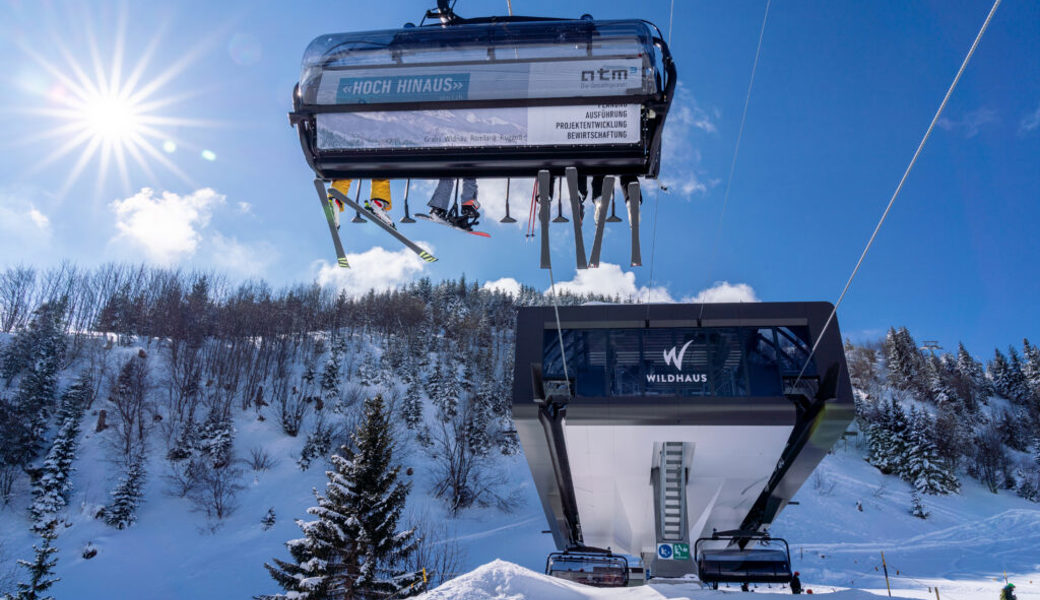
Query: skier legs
x=343, y=187
x=381, y=193
x=470, y=206
x=441, y=201
x=380, y=197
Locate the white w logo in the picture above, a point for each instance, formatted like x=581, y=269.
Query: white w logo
x=671, y=358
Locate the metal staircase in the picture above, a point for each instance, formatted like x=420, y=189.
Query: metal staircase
x=672, y=507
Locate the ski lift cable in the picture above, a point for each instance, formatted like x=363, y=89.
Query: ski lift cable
x=899, y=188
x=671, y=15
x=559, y=329
x=736, y=148
x=653, y=236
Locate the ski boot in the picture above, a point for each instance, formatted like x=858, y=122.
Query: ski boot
x=379, y=209
x=470, y=215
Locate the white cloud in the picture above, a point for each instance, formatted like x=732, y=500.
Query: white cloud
x=724, y=291
x=610, y=280
x=23, y=228
x=241, y=258
x=491, y=194
x=506, y=285
x=245, y=208
x=375, y=269
x=680, y=156
x=165, y=226
x=971, y=123
x=40, y=219
x=1029, y=122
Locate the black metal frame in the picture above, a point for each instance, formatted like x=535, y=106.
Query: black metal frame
x=640, y=159
x=819, y=408
x=741, y=538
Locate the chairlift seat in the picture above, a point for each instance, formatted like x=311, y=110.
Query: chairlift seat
x=493, y=97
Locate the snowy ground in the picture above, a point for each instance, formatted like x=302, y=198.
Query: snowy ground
x=964, y=547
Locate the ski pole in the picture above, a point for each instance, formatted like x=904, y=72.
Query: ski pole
x=507, y=218
x=357, y=200
x=407, y=187
x=887, y=584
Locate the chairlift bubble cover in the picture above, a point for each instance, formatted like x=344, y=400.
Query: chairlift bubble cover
x=486, y=99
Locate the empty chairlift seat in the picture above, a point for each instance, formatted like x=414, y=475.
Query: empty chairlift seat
x=491, y=98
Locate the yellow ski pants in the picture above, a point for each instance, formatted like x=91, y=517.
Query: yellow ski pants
x=380, y=190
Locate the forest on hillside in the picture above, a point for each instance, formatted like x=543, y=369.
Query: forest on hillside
x=160, y=363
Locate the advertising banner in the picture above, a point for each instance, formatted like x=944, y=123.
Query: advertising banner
x=481, y=127
x=490, y=81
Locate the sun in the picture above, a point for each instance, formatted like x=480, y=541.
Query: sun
x=111, y=118
x=107, y=116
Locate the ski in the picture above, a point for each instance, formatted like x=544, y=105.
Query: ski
x=576, y=203
x=434, y=219
x=600, y=218
x=423, y=254
x=326, y=206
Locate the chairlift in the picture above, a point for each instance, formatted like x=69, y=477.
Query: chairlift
x=488, y=97
x=594, y=567
x=742, y=557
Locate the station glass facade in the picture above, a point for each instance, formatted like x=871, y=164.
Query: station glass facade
x=686, y=362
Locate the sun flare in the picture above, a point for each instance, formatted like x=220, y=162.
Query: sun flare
x=108, y=112
x=111, y=118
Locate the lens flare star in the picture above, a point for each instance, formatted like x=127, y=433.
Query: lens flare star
x=103, y=115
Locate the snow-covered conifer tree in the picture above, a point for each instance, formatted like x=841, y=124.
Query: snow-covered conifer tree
x=1031, y=369
x=269, y=519
x=923, y=467
x=916, y=506
x=1018, y=385
x=122, y=513
x=353, y=549
x=413, y=406
x=330, y=375
x=41, y=570
x=999, y=374
x=51, y=488
x=973, y=378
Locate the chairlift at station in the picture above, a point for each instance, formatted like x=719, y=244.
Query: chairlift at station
x=590, y=566
x=742, y=557
x=490, y=97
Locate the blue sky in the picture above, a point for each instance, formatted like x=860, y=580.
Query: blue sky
x=843, y=94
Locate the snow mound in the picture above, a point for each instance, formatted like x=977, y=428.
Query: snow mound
x=502, y=580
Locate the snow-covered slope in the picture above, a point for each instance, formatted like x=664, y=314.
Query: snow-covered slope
x=501, y=580
x=963, y=548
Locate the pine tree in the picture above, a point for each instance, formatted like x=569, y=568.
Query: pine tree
x=330, y=375
x=923, y=469
x=939, y=390
x=122, y=513
x=916, y=506
x=41, y=574
x=269, y=519
x=902, y=358
x=973, y=383
x=367, y=371
x=447, y=396
x=413, y=406
x=1031, y=368
x=1018, y=386
x=999, y=374
x=34, y=400
x=879, y=446
x=353, y=549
